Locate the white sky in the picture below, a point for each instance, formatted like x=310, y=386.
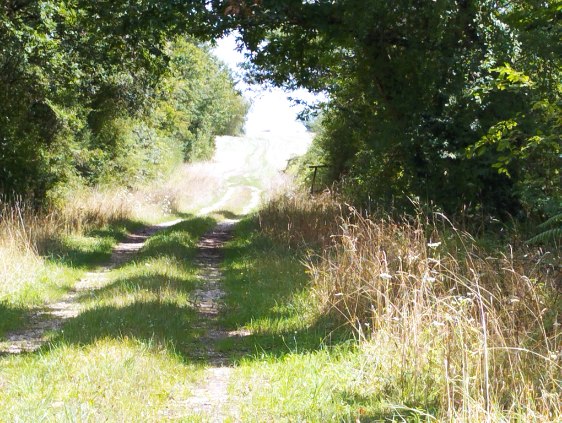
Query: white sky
x=271, y=110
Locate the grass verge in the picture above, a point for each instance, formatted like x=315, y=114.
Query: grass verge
x=268, y=296
x=44, y=253
x=130, y=355
x=44, y=272
x=445, y=329
x=293, y=362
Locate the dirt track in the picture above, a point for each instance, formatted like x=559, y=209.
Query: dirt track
x=51, y=317
x=244, y=168
x=210, y=396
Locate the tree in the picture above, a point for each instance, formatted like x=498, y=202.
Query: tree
x=78, y=82
x=406, y=82
x=454, y=102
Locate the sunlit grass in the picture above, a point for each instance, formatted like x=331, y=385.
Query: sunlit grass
x=108, y=380
x=137, y=347
x=147, y=299
x=33, y=274
x=333, y=317
x=44, y=253
x=267, y=290
x=294, y=364
x=126, y=357
x=324, y=385
x=446, y=327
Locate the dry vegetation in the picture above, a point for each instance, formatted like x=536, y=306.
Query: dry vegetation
x=26, y=232
x=466, y=332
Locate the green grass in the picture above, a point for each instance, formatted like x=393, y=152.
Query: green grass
x=130, y=355
x=268, y=294
x=147, y=299
x=90, y=250
x=134, y=353
x=296, y=365
x=108, y=380
x=448, y=332
x=62, y=262
x=11, y=317
x=331, y=384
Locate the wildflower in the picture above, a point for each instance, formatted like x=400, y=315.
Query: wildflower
x=427, y=278
x=385, y=276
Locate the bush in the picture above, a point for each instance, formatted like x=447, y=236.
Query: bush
x=81, y=110
x=471, y=333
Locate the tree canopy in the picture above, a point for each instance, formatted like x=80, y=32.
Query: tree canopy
x=453, y=102
x=106, y=92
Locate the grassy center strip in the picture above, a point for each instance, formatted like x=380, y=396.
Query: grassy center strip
x=293, y=362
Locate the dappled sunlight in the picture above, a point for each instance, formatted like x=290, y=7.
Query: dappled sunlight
x=161, y=260
x=114, y=379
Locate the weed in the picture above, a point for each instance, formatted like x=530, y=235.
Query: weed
x=473, y=335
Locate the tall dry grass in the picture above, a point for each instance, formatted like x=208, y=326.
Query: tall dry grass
x=19, y=261
x=296, y=219
x=446, y=326
x=25, y=231
x=24, y=228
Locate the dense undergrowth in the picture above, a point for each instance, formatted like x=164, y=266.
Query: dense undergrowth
x=449, y=326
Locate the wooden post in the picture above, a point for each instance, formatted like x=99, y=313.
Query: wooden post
x=315, y=167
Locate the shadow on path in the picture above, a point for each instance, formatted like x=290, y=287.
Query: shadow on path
x=11, y=317
x=64, y=250
x=40, y=322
